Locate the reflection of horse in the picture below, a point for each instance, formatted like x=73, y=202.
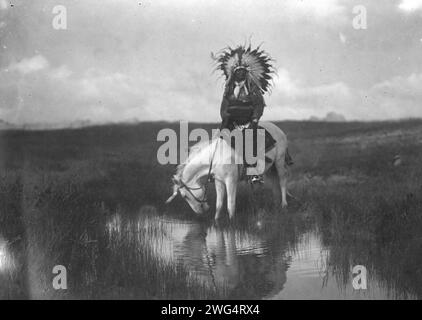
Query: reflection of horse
x=233, y=262
x=191, y=177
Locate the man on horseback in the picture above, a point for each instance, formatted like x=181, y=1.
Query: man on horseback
x=242, y=102
x=247, y=74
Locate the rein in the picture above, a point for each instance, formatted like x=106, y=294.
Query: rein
x=189, y=189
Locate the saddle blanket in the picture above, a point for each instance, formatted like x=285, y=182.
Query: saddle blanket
x=269, y=140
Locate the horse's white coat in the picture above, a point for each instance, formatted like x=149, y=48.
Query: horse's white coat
x=225, y=168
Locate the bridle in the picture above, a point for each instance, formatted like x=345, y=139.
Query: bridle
x=189, y=189
x=204, y=188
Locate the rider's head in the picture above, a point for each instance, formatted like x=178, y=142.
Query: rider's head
x=240, y=74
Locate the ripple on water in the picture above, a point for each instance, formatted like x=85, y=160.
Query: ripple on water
x=232, y=257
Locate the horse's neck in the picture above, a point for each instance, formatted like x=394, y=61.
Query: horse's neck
x=219, y=152
x=193, y=171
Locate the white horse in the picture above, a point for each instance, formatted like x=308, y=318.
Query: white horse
x=191, y=177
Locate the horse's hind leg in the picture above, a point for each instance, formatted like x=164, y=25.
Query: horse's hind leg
x=282, y=177
x=272, y=177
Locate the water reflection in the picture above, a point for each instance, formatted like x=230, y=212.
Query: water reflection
x=233, y=262
x=258, y=260
x=12, y=281
x=310, y=276
x=144, y=254
x=7, y=263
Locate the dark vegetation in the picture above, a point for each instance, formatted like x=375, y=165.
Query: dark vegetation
x=58, y=188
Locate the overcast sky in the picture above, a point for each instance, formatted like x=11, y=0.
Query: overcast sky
x=150, y=59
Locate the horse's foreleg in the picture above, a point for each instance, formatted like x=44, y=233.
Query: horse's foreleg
x=220, y=193
x=282, y=177
x=231, y=186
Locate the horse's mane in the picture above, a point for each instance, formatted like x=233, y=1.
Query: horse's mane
x=193, y=152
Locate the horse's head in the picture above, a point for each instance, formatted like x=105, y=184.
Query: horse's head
x=194, y=195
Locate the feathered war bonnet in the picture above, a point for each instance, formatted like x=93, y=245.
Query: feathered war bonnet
x=257, y=63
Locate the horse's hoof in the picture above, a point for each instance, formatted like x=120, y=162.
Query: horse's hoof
x=284, y=205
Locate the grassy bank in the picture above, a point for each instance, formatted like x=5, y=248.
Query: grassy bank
x=59, y=188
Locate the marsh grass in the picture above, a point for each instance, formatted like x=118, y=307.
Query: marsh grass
x=59, y=189
x=373, y=218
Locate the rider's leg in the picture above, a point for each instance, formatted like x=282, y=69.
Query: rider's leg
x=257, y=177
x=256, y=171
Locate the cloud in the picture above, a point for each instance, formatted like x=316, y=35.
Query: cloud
x=156, y=65
x=398, y=97
x=29, y=65
x=293, y=99
x=62, y=72
x=330, y=117
x=409, y=87
x=59, y=94
x=320, y=9
x=3, y=5
x=293, y=91
x=410, y=5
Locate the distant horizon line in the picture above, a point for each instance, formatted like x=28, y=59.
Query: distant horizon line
x=76, y=124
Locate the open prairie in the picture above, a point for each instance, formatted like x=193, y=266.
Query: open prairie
x=92, y=200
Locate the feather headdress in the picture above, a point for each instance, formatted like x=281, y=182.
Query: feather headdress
x=256, y=62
